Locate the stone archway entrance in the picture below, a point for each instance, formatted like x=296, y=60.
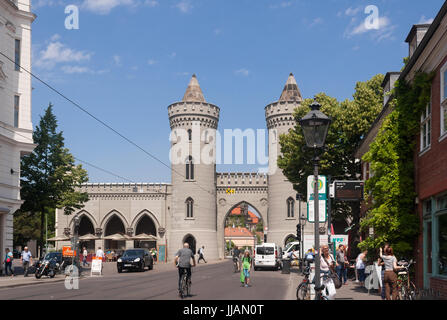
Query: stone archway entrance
x=191, y=240
x=145, y=225
x=243, y=228
x=86, y=227
x=114, y=225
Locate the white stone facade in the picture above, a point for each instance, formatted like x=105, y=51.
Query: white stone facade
x=195, y=205
x=15, y=109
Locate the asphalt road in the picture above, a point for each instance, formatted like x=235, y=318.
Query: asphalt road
x=209, y=282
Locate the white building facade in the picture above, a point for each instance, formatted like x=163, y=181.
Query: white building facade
x=15, y=108
x=194, y=206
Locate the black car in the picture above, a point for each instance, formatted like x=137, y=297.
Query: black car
x=135, y=259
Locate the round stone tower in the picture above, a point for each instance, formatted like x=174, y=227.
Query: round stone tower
x=282, y=207
x=192, y=215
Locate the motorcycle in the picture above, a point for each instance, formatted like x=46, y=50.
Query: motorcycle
x=46, y=268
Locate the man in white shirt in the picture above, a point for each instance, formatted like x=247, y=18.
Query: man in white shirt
x=100, y=253
x=27, y=260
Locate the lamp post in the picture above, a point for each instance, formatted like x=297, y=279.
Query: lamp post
x=315, y=126
x=75, y=245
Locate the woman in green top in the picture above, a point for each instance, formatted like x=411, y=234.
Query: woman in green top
x=247, y=264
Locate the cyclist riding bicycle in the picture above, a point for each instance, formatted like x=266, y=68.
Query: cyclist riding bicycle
x=236, y=258
x=183, y=262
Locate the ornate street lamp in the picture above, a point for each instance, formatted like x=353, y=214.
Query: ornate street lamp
x=315, y=126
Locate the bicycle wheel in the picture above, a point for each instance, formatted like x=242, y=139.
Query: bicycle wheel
x=184, y=286
x=303, y=291
x=188, y=287
x=412, y=292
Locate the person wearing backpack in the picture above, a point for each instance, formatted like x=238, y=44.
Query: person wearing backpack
x=8, y=262
x=247, y=264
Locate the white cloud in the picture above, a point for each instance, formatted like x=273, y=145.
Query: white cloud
x=283, y=4
x=75, y=69
x=151, y=3
x=57, y=52
x=184, y=6
x=217, y=31
x=316, y=21
x=46, y=3
x=244, y=72
x=117, y=60
x=384, y=31
x=425, y=20
x=352, y=11
x=151, y=62
x=105, y=6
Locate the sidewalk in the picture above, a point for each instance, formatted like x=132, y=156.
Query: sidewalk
x=350, y=291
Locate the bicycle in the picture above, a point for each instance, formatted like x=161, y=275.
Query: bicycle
x=303, y=289
x=405, y=287
x=235, y=265
x=185, y=285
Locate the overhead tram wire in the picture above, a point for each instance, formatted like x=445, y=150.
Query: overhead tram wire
x=102, y=122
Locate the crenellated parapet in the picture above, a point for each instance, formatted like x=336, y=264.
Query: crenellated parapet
x=125, y=188
x=184, y=113
x=280, y=113
x=241, y=179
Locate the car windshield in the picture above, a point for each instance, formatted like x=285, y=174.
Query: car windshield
x=133, y=253
x=287, y=246
x=51, y=255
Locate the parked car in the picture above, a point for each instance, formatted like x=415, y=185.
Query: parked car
x=267, y=256
x=135, y=259
x=290, y=247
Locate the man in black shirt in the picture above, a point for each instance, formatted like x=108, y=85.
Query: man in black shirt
x=236, y=257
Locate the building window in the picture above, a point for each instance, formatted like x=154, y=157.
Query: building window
x=442, y=245
x=189, y=168
x=189, y=134
x=17, y=55
x=290, y=208
x=443, y=122
x=16, y=111
x=443, y=119
x=426, y=128
x=189, y=208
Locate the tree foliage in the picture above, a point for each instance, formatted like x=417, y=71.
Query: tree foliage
x=351, y=120
x=391, y=189
x=49, y=178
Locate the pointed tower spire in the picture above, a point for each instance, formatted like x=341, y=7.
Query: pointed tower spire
x=193, y=92
x=291, y=91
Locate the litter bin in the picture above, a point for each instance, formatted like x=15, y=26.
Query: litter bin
x=285, y=266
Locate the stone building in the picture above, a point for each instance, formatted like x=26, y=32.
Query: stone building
x=194, y=206
x=16, y=128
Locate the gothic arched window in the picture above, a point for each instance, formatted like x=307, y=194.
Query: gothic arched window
x=290, y=207
x=189, y=134
x=189, y=168
x=189, y=208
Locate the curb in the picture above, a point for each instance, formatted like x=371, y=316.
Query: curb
x=16, y=285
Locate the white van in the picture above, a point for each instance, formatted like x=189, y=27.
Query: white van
x=267, y=256
x=295, y=245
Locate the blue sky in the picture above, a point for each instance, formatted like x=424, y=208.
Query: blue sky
x=130, y=59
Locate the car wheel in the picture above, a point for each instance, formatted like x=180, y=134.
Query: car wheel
x=120, y=270
x=151, y=266
x=142, y=267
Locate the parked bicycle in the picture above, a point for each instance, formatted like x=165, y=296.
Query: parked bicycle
x=405, y=287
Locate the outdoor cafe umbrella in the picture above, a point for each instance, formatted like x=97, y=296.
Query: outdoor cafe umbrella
x=88, y=237
x=117, y=237
x=144, y=237
x=61, y=237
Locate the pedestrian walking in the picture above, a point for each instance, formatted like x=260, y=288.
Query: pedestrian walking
x=327, y=263
x=360, y=266
x=247, y=264
x=84, y=257
x=8, y=262
x=100, y=253
x=381, y=263
x=341, y=264
x=390, y=277
x=154, y=254
x=26, y=260
x=201, y=254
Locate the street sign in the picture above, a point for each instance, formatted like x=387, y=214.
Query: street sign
x=321, y=187
x=322, y=212
x=349, y=190
x=68, y=252
x=96, y=265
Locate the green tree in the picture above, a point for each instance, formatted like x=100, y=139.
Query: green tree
x=351, y=120
x=49, y=177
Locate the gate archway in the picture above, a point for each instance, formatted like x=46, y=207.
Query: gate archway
x=114, y=225
x=191, y=240
x=86, y=227
x=145, y=225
